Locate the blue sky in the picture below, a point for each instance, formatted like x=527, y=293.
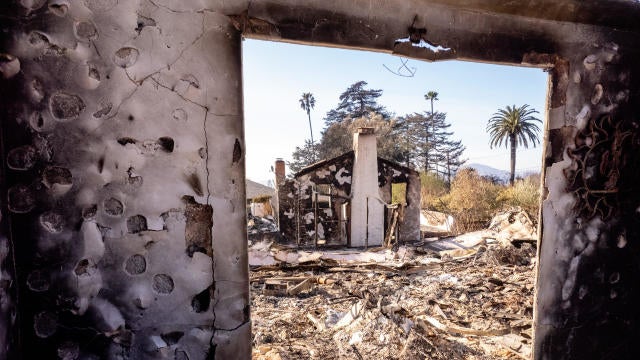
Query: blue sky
x=276, y=74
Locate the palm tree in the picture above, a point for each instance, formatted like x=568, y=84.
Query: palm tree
x=308, y=102
x=430, y=96
x=514, y=126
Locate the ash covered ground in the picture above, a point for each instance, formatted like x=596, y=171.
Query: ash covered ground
x=462, y=302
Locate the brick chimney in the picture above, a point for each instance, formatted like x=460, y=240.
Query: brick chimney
x=280, y=171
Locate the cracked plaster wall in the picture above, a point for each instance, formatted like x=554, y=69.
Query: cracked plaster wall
x=124, y=182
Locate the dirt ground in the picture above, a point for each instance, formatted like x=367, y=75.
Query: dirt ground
x=416, y=303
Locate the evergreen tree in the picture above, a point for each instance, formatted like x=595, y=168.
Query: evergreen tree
x=450, y=158
x=358, y=107
x=338, y=139
x=433, y=149
x=303, y=156
x=356, y=102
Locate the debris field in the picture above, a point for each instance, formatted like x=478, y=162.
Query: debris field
x=466, y=298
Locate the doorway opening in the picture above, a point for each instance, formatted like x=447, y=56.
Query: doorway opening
x=463, y=284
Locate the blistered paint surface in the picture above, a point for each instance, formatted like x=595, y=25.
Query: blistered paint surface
x=586, y=304
x=126, y=181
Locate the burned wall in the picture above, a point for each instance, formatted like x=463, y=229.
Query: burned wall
x=287, y=210
x=297, y=209
x=587, y=298
x=123, y=182
x=296, y=196
x=390, y=173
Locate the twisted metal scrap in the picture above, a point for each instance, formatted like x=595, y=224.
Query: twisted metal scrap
x=599, y=156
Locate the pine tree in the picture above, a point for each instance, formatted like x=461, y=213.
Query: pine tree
x=303, y=156
x=358, y=107
x=356, y=102
x=338, y=139
x=433, y=149
x=451, y=160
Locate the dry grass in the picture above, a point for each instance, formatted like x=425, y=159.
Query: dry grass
x=525, y=194
x=473, y=200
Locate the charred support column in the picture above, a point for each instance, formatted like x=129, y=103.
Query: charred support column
x=123, y=147
x=410, y=226
x=367, y=209
x=279, y=178
x=587, y=285
x=227, y=183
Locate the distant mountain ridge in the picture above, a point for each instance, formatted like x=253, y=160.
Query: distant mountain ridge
x=486, y=170
x=503, y=175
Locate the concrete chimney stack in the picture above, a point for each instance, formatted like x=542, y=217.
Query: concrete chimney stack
x=367, y=210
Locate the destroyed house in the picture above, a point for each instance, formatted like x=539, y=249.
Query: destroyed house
x=259, y=197
x=346, y=200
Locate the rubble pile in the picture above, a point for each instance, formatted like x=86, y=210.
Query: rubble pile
x=261, y=228
x=434, y=223
x=513, y=224
x=417, y=302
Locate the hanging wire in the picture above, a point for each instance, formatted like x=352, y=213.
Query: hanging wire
x=403, y=70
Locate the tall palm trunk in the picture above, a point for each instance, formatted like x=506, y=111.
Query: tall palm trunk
x=512, y=138
x=313, y=145
x=431, y=95
x=426, y=129
x=310, y=129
